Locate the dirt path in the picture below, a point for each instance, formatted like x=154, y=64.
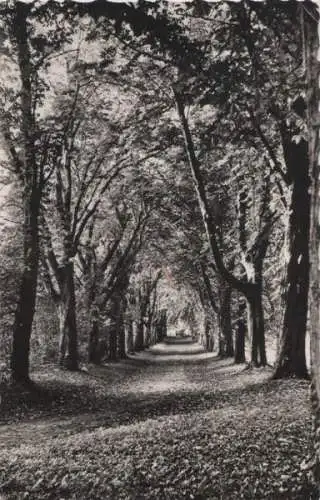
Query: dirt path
x=148, y=428
x=131, y=391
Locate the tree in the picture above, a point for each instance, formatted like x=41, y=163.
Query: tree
x=239, y=354
x=250, y=289
x=290, y=123
x=259, y=95
x=81, y=179
x=210, y=307
x=33, y=52
x=311, y=26
x=291, y=165
x=145, y=304
x=25, y=147
x=107, y=265
x=94, y=263
x=10, y=269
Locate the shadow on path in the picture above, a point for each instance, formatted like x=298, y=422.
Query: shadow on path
x=68, y=408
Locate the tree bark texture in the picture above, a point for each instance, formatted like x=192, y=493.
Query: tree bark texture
x=139, y=340
x=226, y=346
x=208, y=329
x=130, y=343
x=256, y=327
x=68, y=336
x=32, y=193
x=292, y=360
x=122, y=353
x=113, y=329
x=117, y=339
x=161, y=325
x=93, y=346
x=25, y=310
x=313, y=73
x=239, y=352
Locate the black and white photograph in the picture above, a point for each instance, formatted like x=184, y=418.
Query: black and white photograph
x=159, y=250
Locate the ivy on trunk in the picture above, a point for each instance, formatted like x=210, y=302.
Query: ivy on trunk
x=32, y=176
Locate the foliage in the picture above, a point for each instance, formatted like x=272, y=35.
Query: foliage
x=10, y=268
x=112, y=105
x=196, y=437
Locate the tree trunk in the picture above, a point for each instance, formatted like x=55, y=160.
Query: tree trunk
x=148, y=332
x=114, y=328
x=29, y=172
x=93, y=347
x=226, y=340
x=256, y=327
x=68, y=335
x=210, y=309
x=208, y=327
x=121, y=332
x=112, y=343
x=312, y=67
x=94, y=350
x=292, y=360
x=245, y=288
x=240, y=355
x=27, y=295
x=139, y=341
x=208, y=335
x=130, y=344
x=162, y=325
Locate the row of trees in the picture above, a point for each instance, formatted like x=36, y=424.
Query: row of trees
x=133, y=128
x=79, y=148
x=68, y=141
x=162, y=136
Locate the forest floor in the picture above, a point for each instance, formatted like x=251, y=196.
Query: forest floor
x=190, y=428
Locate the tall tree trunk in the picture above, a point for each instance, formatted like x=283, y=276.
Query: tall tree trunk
x=208, y=334
x=226, y=340
x=148, y=332
x=130, y=343
x=113, y=342
x=114, y=327
x=68, y=335
x=139, y=341
x=94, y=351
x=208, y=327
x=25, y=310
x=292, y=360
x=28, y=171
x=122, y=342
x=93, y=346
x=150, y=321
x=313, y=73
x=210, y=308
x=161, y=326
x=121, y=332
x=239, y=354
x=256, y=326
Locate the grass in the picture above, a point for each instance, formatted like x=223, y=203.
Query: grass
x=143, y=430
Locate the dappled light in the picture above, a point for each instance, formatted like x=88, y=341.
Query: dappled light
x=159, y=244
